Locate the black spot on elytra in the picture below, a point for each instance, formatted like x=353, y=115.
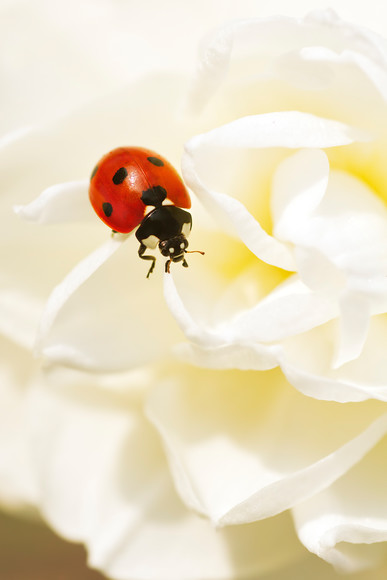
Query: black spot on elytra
x=156, y=161
x=93, y=172
x=120, y=175
x=107, y=209
x=154, y=195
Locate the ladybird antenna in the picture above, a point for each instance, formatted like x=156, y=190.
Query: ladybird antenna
x=194, y=252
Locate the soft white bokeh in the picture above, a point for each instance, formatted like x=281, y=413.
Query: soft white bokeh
x=55, y=55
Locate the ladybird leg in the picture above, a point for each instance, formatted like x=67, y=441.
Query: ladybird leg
x=113, y=232
x=185, y=264
x=168, y=266
x=141, y=251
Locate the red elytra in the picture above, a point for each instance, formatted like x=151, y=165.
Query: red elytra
x=124, y=181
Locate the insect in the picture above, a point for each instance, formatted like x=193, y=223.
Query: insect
x=129, y=180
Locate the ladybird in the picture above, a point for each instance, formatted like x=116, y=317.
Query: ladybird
x=125, y=184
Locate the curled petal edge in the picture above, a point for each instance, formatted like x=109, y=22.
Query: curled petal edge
x=64, y=202
x=288, y=129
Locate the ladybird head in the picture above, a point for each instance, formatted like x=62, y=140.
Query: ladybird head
x=174, y=248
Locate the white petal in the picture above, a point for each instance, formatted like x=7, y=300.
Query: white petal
x=187, y=323
x=259, y=447
x=235, y=218
x=348, y=226
x=307, y=364
x=36, y=260
x=257, y=42
x=340, y=237
x=72, y=282
x=357, y=38
x=321, y=60
x=105, y=482
x=346, y=525
x=288, y=129
x=59, y=203
x=213, y=343
x=290, y=309
x=243, y=356
x=19, y=316
x=325, y=388
x=318, y=272
x=116, y=320
x=354, y=319
x=298, y=186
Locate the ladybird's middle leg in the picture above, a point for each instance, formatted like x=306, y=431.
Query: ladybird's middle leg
x=141, y=251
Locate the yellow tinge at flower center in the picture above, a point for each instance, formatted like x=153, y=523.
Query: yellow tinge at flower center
x=366, y=161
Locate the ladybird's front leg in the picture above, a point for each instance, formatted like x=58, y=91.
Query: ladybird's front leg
x=168, y=266
x=185, y=264
x=141, y=251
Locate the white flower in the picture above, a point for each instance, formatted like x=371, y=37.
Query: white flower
x=291, y=293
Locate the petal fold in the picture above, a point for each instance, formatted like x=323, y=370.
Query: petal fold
x=60, y=203
x=118, y=498
x=346, y=525
x=78, y=276
x=287, y=129
x=266, y=48
x=249, y=458
x=307, y=361
x=355, y=321
x=290, y=129
x=298, y=187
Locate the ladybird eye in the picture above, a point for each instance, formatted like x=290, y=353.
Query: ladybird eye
x=120, y=175
x=107, y=209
